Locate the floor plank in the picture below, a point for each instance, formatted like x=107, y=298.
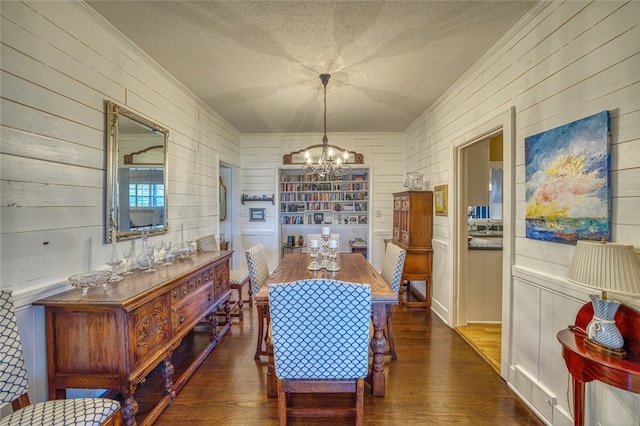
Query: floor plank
x=484, y=339
x=437, y=379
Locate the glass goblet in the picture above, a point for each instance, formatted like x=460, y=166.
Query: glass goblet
x=157, y=247
x=114, y=262
x=168, y=256
x=149, y=252
x=127, y=253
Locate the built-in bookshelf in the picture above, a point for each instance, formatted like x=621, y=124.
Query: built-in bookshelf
x=307, y=200
x=307, y=203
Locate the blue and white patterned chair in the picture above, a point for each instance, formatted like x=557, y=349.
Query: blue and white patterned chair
x=14, y=386
x=392, y=268
x=320, y=336
x=258, y=275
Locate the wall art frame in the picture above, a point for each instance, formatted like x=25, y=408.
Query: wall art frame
x=440, y=200
x=567, y=176
x=257, y=215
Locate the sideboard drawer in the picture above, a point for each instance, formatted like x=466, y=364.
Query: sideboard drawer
x=190, y=309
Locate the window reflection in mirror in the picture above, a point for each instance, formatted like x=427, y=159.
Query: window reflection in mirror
x=137, y=174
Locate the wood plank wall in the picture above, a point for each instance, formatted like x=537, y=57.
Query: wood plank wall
x=564, y=61
x=60, y=62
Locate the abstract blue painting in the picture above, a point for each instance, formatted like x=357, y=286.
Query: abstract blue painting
x=567, y=182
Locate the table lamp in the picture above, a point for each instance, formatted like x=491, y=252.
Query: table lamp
x=608, y=267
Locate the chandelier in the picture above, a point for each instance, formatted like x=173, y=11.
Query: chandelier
x=326, y=164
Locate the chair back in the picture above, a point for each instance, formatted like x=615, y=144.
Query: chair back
x=317, y=237
x=393, y=265
x=13, y=374
x=258, y=267
x=320, y=329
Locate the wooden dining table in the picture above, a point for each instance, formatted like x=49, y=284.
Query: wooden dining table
x=354, y=268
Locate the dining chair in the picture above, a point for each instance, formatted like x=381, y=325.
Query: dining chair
x=258, y=275
x=14, y=386
x=392, y=267
x=320, y=336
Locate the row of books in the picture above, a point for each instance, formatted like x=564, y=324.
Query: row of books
x=287, y=177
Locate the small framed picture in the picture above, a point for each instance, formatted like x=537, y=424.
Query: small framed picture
x=257, y=215
x=353, y=219
x=362, y=219
x=440, y=200
x=318, y=218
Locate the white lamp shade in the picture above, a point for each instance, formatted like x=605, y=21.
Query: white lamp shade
x=606, y=267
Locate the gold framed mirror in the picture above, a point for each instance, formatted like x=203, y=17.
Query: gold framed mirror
x=223, y=201
x=136, y=174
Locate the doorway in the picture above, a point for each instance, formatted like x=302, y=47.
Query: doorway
x=480, y=315
x=229, y=203
x=500, y=124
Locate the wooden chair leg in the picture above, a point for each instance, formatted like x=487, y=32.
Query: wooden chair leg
x=389, y=332
x=360, y=402
x=240, y=304
x=282, y=404
x=263, y=326
x=250, y=294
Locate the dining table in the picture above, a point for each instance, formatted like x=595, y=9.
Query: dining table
x=354, y=268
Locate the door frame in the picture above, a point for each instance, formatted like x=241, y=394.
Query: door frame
x=502, y=123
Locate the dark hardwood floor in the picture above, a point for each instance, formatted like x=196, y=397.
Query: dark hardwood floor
x=437, y=379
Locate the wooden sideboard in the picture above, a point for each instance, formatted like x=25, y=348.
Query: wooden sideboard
x=130, y=336
x=412, y=223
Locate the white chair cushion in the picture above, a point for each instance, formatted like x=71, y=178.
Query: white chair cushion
x=67, y=412
x=238, y=276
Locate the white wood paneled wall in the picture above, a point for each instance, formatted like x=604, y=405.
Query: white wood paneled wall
x=59, y=65
x=60, y=62
x=262, y=154
x=562, y=62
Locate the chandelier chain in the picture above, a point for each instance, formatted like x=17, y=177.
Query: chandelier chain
x=326, y=165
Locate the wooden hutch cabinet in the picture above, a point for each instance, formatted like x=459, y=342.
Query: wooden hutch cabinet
x=412, y=224
x=139, y=334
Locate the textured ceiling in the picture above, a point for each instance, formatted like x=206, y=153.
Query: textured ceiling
x=257, y=63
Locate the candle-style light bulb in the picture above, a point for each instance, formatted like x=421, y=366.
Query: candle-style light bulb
x=306, y=154
x=330, y=153
x=346, y=156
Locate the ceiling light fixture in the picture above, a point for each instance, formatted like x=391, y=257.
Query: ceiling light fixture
x=326, y=164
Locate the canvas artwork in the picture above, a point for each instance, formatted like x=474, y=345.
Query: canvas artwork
x=567, y=182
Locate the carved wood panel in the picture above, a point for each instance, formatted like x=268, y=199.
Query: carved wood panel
x=151, y=328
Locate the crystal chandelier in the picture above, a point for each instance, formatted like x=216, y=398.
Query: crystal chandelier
x=326, y=164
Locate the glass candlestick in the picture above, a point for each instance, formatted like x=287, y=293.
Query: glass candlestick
x=114, y=262
x=314, y=249
x=332, y=256
x=325, y=249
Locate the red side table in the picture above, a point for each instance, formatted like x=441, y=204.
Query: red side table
x=585, y=364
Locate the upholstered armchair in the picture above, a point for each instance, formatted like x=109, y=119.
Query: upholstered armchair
x=258, y=275
x=320, y=336
x=392, y=268
x=14, y=386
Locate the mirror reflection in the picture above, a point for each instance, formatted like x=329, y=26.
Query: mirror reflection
x=137, y=174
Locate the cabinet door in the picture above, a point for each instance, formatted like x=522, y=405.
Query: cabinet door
x=150, y=327
x=221, y=280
